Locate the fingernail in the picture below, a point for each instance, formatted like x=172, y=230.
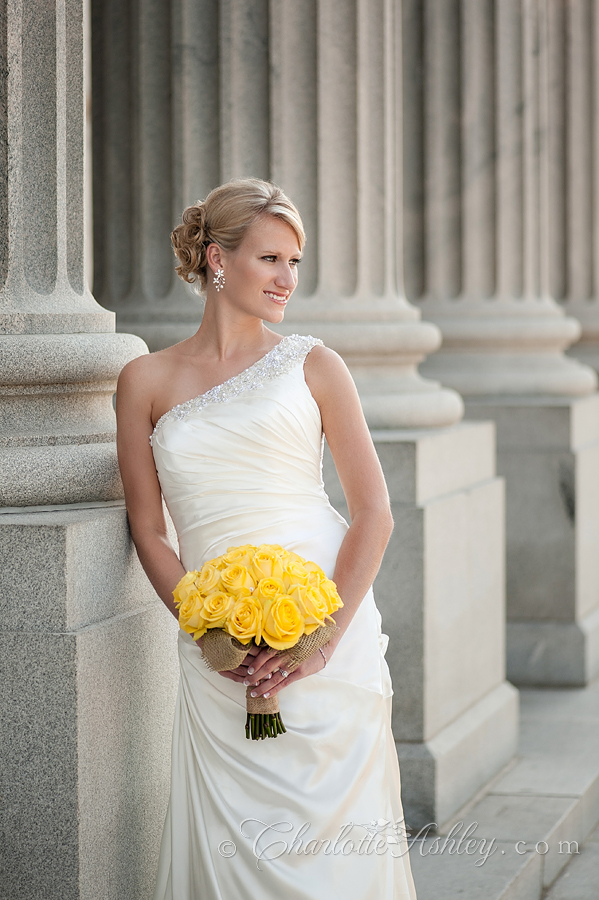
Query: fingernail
x=251, y=671
x=253, y=694
x=267, y=694
x=245, y=683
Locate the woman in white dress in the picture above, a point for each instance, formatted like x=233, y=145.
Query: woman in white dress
x=228, y=426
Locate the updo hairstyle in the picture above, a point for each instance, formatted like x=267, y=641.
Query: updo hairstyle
x=223, y=218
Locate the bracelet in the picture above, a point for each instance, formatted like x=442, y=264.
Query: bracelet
x=324, y=657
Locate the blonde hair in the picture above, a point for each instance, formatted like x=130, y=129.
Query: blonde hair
x=223, y=218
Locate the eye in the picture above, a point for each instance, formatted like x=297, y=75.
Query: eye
x=295, y=262
x=269, y=257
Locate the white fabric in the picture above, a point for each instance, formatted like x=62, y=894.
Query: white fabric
x=248, y=469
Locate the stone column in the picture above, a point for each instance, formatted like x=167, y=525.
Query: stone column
x=341, y=157
x=581, y=166
x=82, y=636
x=490, y=261
x=156, y=146
x=336, y=124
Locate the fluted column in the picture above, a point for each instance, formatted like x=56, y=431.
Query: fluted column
x=59, y=354
x=349, y=133
x=506, y=193
x=581, y=170
x=338, y=119
x=496, y=231
x=156, y=144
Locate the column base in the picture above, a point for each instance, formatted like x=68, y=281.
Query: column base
x=440, y=775
x=89, y=674
x=441, y=595
x=586, y=352
x=557, y=654
x=548, y=452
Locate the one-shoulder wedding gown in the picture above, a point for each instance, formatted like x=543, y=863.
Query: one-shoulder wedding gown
x=316, y=813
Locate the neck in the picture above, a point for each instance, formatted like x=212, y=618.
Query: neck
x=226, y=332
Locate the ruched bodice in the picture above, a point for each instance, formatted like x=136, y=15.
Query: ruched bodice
x=241, y=464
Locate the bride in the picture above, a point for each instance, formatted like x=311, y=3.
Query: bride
x=228, y=427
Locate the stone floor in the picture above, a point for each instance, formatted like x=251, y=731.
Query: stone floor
x=511, y=842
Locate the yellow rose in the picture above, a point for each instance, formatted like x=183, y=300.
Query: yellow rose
x=241, y=556
x=328, y=590
x=312, y=606
x=216, y=608
x=294, y=573
x=190, y=615
x=266, y=563
x=295, y=557
x=283, y=554
x=268, y=589
x=245, y=620
x=311, y=567
x=186, y=586
x=235, y=578
x=209, y=579
x=314, y=580
x=282, y=623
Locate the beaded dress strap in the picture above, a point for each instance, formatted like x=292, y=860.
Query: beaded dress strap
x=288, y=353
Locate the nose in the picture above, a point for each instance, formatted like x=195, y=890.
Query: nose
x=286, y=276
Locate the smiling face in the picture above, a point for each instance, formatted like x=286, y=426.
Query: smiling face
x=261, y=274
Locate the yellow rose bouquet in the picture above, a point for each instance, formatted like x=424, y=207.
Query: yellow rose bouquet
x=267, y=595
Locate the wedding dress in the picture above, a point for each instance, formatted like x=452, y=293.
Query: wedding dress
x=316, y=812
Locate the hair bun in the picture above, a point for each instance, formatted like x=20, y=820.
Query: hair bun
x=189, y=242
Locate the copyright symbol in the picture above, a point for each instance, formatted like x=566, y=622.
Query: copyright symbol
x=227, y=849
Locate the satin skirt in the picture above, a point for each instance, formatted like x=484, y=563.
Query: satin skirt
x=315, y=813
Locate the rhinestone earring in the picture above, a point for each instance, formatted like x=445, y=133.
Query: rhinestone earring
x=219, y=279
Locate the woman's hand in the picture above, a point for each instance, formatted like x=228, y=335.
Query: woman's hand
x=274, y=681
x=241, y=672
x=266, y=667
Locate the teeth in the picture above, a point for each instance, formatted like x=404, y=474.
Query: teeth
x=274, y=296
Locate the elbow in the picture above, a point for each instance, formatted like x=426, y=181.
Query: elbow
x=387, y=521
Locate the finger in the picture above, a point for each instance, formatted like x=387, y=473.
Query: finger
x=277, y=683
x=264, y=664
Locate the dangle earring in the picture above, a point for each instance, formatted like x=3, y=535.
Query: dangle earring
x=219, y=279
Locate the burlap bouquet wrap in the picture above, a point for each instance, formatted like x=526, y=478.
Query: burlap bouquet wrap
x=266, y=596
x=222, y=652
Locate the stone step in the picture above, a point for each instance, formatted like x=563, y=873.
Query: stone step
x=512, y=841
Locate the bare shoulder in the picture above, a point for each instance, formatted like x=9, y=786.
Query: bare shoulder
x=146, y=372
x=140, y=382
x=327, y=375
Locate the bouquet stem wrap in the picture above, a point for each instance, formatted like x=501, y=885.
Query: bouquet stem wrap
x=222, y=652
x=266, y=597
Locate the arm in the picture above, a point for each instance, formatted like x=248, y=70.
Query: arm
x=363, y=483
x=140, y=481
x=362, y=480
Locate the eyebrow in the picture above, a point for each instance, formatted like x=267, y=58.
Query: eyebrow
x=278, y=253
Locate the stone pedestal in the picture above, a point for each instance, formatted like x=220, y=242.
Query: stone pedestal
x=89, y=675
x=502, y=237
x=548, y=452
x=441, y=594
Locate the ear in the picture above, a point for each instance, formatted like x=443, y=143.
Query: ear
x=214, y=256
